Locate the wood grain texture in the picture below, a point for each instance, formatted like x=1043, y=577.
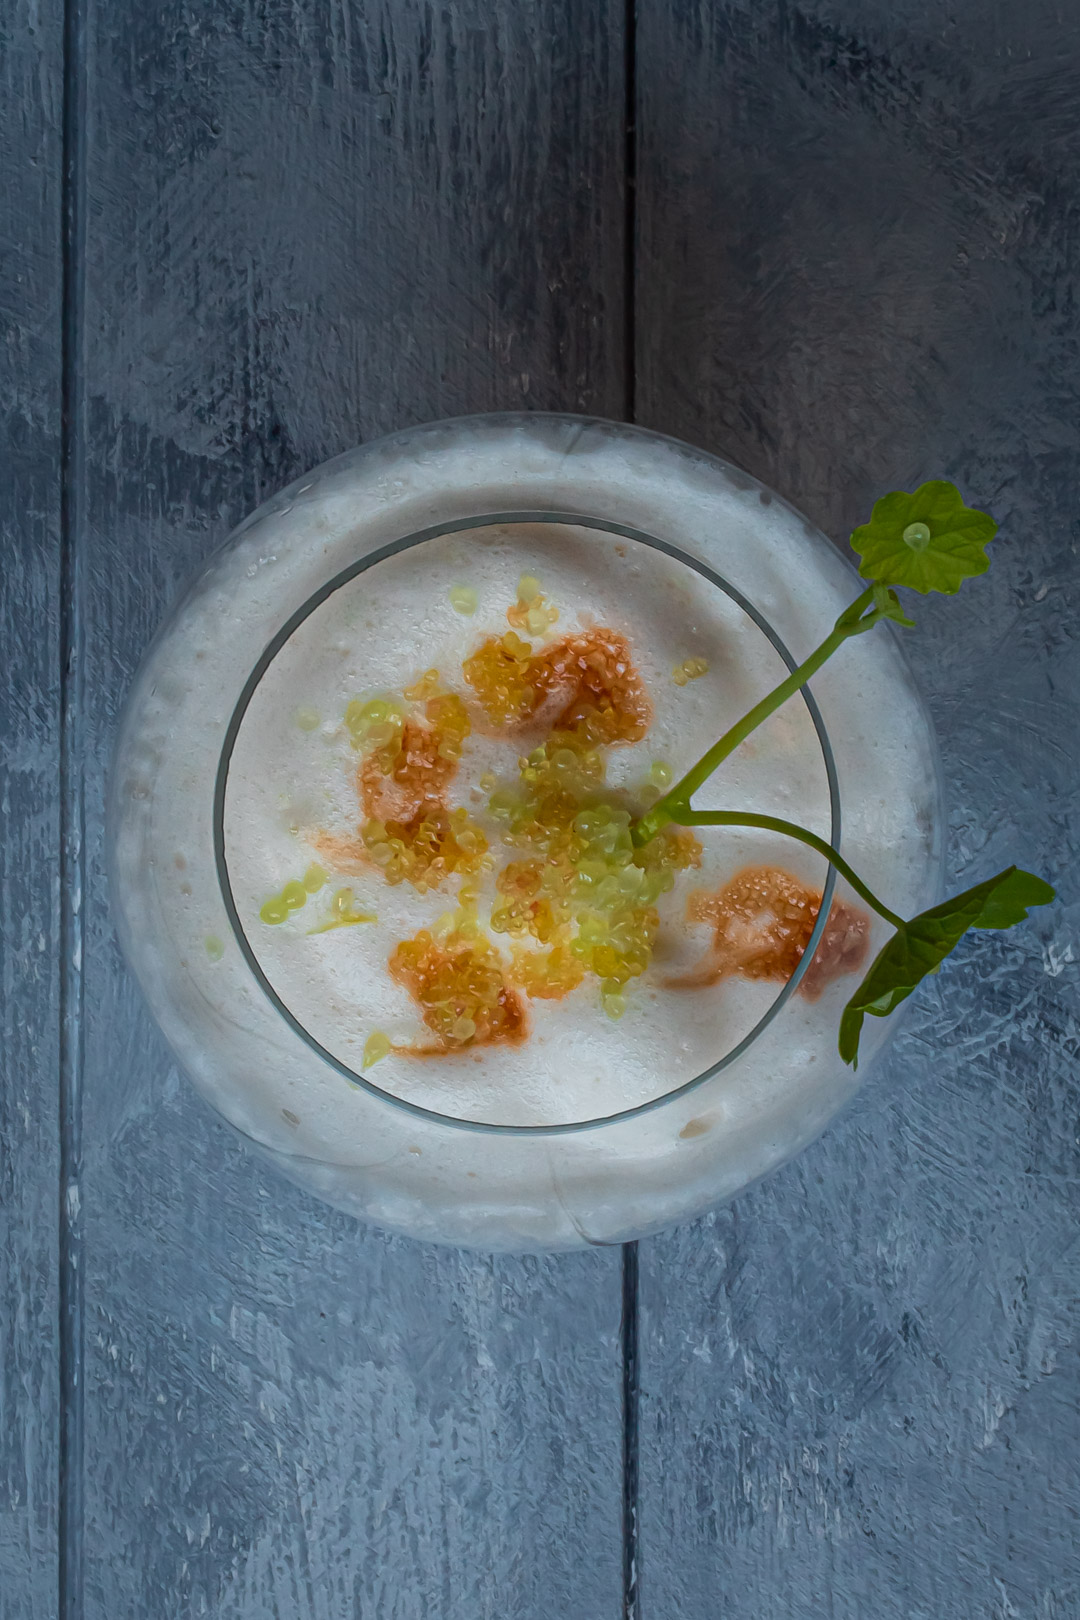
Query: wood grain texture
x=30, y=389
x=310, y=223
x=859, y=259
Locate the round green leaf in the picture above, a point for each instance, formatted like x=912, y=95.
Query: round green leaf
x=929, y=540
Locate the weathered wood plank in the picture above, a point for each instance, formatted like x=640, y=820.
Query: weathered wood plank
x=31, y=77
x=858, y=267
x=311, y=222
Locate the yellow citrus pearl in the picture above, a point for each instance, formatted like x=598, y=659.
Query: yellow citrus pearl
x=538, y=618
x=689, y=670
x=528, y=589
x=314, y=878
x=215, y=948
x=373, y=722
x=307, y=719
x=614, y=1002
x=425, y=687
x=659, y=774
x=294, y=895
x=463, y=599
x=274, y=911
x=376, y=1047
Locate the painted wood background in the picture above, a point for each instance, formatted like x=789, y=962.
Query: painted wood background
x=31, y=278
x=837, y=240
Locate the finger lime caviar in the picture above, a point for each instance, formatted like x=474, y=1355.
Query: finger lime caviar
x=575, y=902
x=461, y=731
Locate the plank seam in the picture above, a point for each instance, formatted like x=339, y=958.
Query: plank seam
x=629, y=1343
x=630, y=206
x=73, y=816
x=630, y=1409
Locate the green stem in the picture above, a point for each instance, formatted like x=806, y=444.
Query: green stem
x=852, y=622
x=741, y=818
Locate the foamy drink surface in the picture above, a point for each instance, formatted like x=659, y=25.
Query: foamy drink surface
x=423, y=881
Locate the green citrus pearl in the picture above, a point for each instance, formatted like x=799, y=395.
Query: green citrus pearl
x=917, y=536
x=215, y=950
x=274, y=911
x=614, y=1006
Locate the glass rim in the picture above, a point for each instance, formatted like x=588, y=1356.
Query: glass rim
x=344, y=577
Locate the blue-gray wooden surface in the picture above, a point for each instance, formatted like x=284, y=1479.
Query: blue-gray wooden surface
x=31, y=277
x=840, y=243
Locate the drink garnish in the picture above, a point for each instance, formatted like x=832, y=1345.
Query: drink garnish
x=928, y=540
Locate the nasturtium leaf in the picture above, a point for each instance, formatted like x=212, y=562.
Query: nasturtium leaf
x=920, y=947
x=929, y=540
x=1008, y=901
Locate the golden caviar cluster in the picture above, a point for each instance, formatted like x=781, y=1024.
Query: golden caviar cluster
x=458, y=980
x=590, y=676
x=408, y=831
x=427, y=849
x=762, y=921
x=502, y=672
